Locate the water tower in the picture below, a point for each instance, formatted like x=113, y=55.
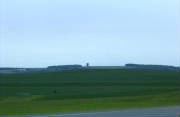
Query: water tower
x=87, y=64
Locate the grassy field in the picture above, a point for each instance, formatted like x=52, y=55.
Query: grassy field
x=93, y=89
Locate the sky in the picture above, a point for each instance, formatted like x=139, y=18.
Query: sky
x=39, y=33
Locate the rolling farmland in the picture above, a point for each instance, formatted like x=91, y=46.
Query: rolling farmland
x=88, y=89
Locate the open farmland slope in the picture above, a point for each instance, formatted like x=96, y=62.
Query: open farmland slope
x=87, y=90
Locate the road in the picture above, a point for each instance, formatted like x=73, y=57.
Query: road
x=168, y=111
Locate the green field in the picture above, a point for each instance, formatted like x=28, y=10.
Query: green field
x=93, y=89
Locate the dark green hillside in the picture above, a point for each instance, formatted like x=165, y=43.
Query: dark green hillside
x=100, y=87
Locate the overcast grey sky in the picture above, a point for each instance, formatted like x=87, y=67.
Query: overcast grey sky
x=38, y=33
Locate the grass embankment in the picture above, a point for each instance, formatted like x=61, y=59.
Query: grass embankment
x=82, y=90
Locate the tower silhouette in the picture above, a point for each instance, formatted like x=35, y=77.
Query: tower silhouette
x=87, y=64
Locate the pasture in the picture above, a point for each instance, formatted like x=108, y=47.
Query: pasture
x=88, y=89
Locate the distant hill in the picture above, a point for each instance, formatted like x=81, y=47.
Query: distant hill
x=73, y=67
x=64, y=67
x=152, y=67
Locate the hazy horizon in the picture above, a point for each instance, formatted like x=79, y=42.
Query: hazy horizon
x=40, y=33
